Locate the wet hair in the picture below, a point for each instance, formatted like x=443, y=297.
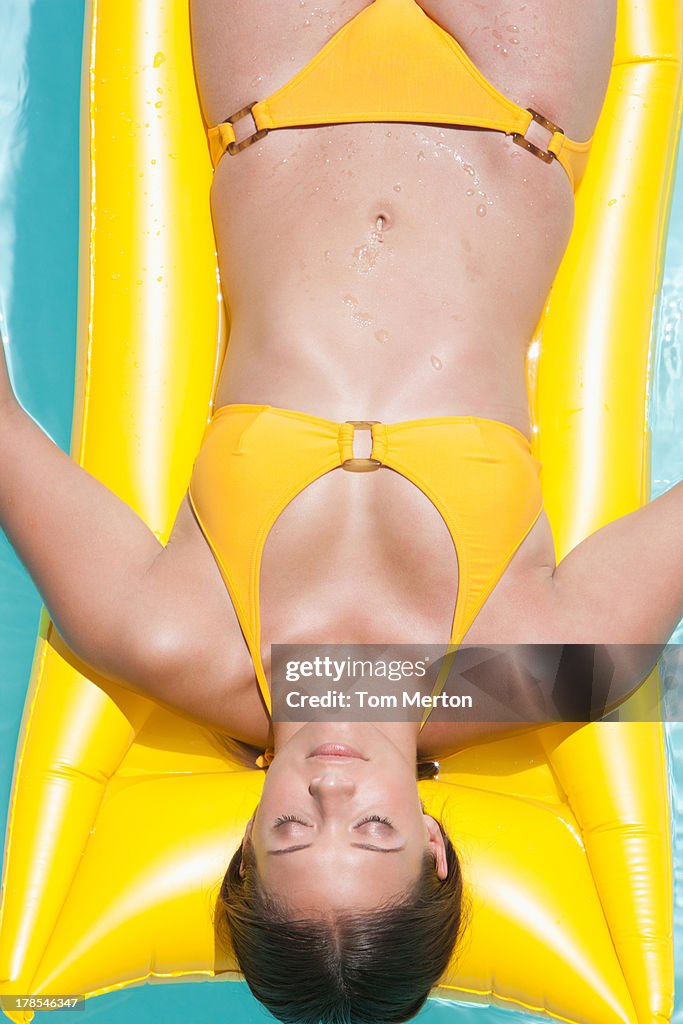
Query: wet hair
x=371, y=967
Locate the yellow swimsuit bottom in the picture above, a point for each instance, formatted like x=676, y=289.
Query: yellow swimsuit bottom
x=392, y=62
x=479, y=474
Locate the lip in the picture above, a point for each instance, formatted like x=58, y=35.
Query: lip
x=341, y=750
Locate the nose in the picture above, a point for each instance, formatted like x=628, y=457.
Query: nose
x=331, y=787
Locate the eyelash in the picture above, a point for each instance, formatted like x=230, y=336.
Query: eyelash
x=284, y=818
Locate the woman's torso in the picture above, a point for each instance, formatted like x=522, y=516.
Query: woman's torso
x=389, y=271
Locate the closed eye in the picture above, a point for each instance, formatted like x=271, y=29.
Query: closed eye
x=376, y=818
x=378, y=828
x=286, y=819
x=382, y=825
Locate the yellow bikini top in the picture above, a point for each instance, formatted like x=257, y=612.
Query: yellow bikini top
x=391, y=62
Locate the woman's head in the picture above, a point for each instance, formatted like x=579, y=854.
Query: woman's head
x=340, y=825
x=344, y=902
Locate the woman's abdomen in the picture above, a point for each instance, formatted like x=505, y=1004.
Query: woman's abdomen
x=433, y=312
x=386, y=270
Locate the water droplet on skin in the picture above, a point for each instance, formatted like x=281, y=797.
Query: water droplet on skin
x=468, y=169
x=366, y=256
x=350, y=300
x=469, y=192
x=159, y=59
x=382, y=337
x=397, y=188
x=421, y=156
x=160, y=90
x=363, y=319
x=436, y=363
x=327, y=255
x=388, y=135
x=481, y=211
x=611, y=202
x=512, y=28
x=158, y=104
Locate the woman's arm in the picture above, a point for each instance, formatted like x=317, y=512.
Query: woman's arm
x=88, y=553
x=6, y=393
x=621, y=588
x=624, y=583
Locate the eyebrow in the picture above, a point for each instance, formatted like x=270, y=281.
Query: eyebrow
x=359, y=846
x=379, y=849
x=289, y=849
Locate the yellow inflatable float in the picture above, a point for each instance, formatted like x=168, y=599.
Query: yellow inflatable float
x=564, y=832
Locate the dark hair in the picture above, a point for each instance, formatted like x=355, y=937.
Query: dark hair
x=372, y=967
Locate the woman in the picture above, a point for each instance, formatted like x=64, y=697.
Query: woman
x=391, y=272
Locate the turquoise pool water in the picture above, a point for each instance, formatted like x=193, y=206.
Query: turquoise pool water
x=40, y=54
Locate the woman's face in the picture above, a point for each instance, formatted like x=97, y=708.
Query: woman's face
x=340, y=825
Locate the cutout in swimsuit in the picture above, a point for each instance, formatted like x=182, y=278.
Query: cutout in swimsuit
x=392, y=62
x=478, y=473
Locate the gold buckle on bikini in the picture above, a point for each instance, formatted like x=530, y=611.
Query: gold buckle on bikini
x=355, y=465
x=236, y=147
x=545, y=155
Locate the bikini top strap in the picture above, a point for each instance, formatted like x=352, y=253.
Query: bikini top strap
x=419, y=74
x=573, y=156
